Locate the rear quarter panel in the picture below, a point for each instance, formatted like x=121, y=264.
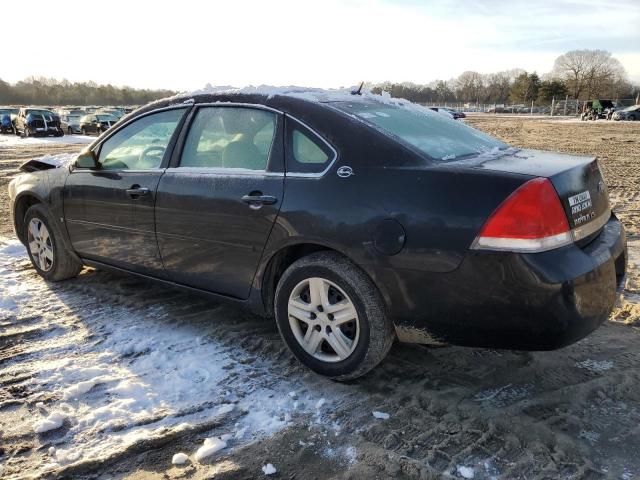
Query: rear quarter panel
x=440, y=209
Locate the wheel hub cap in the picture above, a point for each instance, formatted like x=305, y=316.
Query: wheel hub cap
x=40, y=244
x=323, y=319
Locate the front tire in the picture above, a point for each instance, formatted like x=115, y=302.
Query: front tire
x=46, y=249
x=332, y=317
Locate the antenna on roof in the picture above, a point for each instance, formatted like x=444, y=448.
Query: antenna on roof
x=359, y=90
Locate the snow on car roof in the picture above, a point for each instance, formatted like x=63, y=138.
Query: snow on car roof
x=310, y=94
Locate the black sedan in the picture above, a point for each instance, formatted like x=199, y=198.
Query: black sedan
x=95, y=123
x=355, y=220
x=37, y=122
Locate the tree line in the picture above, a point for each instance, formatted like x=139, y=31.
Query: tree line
x=578, y=74
x=49, y=91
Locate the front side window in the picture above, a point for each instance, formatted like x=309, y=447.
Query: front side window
x=230, y=137
x=142, y=144
x=438, y=137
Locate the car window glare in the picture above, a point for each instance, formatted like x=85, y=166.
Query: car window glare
x=141, y=144
x=435, y=135
x=306, y=150
x=229, y=137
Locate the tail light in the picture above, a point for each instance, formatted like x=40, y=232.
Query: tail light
x=530, y=220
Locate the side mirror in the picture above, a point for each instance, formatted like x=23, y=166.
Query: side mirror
x=87, y=159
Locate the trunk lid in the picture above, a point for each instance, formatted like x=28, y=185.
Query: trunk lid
x=577, y=180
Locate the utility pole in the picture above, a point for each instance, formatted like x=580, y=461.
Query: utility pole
x=566, y=100
x=553, y=103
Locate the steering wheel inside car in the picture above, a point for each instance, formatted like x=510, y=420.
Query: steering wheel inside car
x=149, y=160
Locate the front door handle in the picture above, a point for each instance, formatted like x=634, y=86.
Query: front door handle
x=257, y=200
x=136, y=191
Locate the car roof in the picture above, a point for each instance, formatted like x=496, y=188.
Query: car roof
x=286, y=99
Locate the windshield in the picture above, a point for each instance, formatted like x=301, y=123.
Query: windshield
x=8, y=111
x=106, y=118
x=437, y=136
x=631, y=108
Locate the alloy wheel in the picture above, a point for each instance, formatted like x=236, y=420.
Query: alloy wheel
x=40, y=244
x=323, y=320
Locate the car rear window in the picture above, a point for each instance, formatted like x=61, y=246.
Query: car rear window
x=433, y=134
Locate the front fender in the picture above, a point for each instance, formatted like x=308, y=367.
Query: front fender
x=44, y=187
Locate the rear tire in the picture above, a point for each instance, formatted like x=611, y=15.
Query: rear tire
x=46, y=249
x=361, y=343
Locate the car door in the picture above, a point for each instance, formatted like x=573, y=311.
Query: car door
x=109, y=210
x=217, y=204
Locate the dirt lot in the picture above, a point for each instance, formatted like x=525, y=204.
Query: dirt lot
x=136, y=372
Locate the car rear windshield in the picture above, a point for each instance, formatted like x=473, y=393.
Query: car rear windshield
x=106, y=118
x=438, y=136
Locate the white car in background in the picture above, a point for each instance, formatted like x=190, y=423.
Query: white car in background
x=629, y=113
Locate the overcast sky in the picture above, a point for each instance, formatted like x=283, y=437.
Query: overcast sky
x=184, y=44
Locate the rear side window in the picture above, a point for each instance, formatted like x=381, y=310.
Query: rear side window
x=230, y=137
x=307, y=152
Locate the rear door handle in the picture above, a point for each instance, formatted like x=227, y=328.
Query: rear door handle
x=259, y=200
x=136, y=191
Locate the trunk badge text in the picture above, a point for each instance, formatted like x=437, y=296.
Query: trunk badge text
x=344, y=172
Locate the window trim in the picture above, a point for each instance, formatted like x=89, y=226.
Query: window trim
x=269, y=171
x=289, y=131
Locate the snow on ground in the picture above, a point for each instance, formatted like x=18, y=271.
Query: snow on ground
x=107, y=375
x=11, y=141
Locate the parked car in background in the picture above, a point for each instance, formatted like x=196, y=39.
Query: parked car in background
x=629, y=113
x=453, y=113
x=33, y=121
x=110, y=111
x=95, y=123
x=7, y=119
x=71, y=123
x=372, y=241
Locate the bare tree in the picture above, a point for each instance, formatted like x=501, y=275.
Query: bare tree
x=588, y=73
x=469, y=86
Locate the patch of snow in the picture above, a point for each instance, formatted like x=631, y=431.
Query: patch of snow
x=179, y=459
x=465, y=472
x=380, y=415
x=224, y=409
x=160, y=372
x=590, y=436
x=269, y=469
x=58, y=160
x=78, y=389
x=595, y=365
x=53, y=421
x=10, y=141
x=210, y=446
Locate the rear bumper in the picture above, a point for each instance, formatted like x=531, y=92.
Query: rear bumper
x=539, y=301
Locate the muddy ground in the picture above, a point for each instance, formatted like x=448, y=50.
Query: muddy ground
x=572, y=413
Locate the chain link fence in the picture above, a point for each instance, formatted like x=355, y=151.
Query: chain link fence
x=564, y=107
